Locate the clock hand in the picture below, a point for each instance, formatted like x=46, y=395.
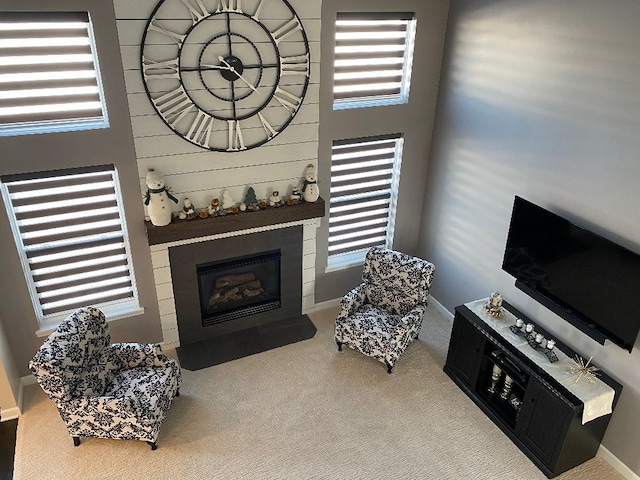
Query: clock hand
x=231, y=69
x=205, y=67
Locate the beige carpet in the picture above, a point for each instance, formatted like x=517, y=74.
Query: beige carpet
x=303, y=411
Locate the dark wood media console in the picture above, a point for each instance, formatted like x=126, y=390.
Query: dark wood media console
x=544, y=419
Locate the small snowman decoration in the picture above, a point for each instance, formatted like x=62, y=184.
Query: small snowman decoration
x=188, y=210
x=310, y=191
x=157, y=200
x=295, y=195
x=274, y=200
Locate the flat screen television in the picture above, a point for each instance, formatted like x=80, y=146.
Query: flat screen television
x=589, y=281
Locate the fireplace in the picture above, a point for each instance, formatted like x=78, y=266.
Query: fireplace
x=239, y=295
x=238, y=287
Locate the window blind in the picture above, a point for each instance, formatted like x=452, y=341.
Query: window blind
x=364, y=182
x=49, y=78
x=70, y=231
x=373, y=58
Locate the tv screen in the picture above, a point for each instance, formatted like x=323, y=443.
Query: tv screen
x=586, y=279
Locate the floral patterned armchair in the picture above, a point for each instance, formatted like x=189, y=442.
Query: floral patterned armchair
x=120, y=390
x=382, y=315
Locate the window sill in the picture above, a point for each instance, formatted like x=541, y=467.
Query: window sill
x=345, y=261
x=112, y=315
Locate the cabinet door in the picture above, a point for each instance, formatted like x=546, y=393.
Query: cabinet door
x=465, y=349
x=543, y=421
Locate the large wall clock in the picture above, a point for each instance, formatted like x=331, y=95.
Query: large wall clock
x=226, y=75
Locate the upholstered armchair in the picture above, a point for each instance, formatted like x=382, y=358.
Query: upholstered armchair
x=120, y=390
x=382, y=315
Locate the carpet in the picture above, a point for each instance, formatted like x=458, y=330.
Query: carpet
x=302, y=411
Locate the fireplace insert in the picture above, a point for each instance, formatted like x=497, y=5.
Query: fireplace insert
x=238, y=287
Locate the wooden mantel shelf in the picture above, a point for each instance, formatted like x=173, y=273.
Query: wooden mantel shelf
x=179, y=230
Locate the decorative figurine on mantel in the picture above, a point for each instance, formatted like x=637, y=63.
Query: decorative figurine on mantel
x=227, y=200
x=156, y=199
x=214, y=207
x=493, y=306
x=274, y=200
x=188, y=210
x=310, y=191
x=250, y=200
x=295, y=196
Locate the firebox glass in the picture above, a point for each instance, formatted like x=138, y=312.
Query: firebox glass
x=239, y=287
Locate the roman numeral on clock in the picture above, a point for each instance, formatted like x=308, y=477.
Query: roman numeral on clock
x=286, y=30
x=198, y=11
x=200, y=130
x=236, y=141
x=174, y=105
x=164, y=70
x=268, y=129
x=288, y=100
x=229, y=6
x=294, y=65
x=175, y=36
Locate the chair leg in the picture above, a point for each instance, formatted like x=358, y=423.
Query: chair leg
x=76, y=441
x=389, y=367
x=177, y=392
x=153, y=445
x=339, y=346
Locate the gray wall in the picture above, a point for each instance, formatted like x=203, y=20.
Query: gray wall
x=9, y=377
x=414, y=119
x=539, y=98
x=63, y=150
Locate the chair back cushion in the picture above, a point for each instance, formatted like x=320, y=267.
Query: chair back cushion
x=396, y=280
x=74, y=360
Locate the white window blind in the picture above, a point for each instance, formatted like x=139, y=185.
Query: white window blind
x=71, y=234
x=373, y=58
x=49, y=76
x=364, y=184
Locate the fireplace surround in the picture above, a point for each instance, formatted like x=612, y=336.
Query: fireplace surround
x=236, y=341
x=185, y=259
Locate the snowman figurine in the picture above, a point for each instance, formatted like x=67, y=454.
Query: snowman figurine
x=310, y=191
x=157, y=200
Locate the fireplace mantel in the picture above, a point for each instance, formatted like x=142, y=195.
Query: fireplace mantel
x=198, y=227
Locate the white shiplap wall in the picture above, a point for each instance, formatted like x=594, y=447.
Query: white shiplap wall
x=200, y=174
x=197, y=173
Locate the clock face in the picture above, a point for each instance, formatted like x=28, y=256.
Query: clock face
x=226, y=75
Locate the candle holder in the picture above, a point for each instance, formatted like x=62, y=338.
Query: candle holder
x=536, y=341
x=495, y=378
x=506, y=389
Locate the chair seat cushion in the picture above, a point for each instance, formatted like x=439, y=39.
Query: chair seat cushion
x=148, y=386
x=374, y=321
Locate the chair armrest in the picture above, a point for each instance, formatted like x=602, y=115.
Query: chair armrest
x=352, y=301
x=415, y=315
x=132, y=355
x=97, y=406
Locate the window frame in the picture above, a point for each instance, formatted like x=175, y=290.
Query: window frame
x=113, y=309
x=348, y=259
x=400, y=98
x=60, y=124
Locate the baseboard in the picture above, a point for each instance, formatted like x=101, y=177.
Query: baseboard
x=336, y=303
x=441, y=308
x=616, y=463
x=10, y=413
x=323, y=305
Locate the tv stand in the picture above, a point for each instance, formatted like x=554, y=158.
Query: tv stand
x=536, y=412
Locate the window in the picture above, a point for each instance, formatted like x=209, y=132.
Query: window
x=70, y=231
x=49, y=77
x=373, y=57
x=364, y=182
